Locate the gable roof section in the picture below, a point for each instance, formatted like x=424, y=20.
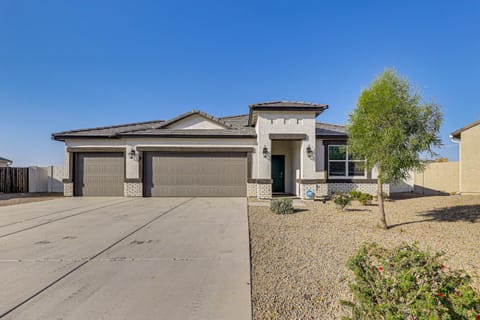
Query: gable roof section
x=192, y=113
x=284, y=106
x=457, y=134
x=234, y=127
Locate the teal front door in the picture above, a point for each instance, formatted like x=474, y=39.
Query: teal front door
x=278, y=173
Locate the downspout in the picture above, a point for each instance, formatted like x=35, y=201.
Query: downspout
x=457, y=141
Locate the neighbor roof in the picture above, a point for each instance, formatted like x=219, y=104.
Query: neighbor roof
x=457, y=134
x=284, y=106
x=5, y=160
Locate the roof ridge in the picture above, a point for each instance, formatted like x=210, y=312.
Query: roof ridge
x=181, y=117
x=286, y=101
x=109, y=127
x=240, y=115
x=332, y=124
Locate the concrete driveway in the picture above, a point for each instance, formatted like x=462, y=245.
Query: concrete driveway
x=125, y=258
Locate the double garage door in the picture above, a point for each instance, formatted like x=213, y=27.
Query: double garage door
x=195, y=174
x=164, y=174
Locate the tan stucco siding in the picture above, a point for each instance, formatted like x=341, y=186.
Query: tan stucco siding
x=470, y=160
x=437, y=178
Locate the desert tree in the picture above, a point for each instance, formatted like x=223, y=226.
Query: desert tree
x=392, y=127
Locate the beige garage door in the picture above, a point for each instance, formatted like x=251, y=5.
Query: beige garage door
x=195, y=174
x=99, y=174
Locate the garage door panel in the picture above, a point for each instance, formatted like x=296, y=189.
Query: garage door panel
x=195, y=174
x=99, y=174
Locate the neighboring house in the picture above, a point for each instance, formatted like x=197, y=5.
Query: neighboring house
x=469, y=160
x=278, y=147
x=5, y=162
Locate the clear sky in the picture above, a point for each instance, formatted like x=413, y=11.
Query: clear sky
x=73, y=64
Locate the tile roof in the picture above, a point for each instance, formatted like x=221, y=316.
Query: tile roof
x=294, y=104
x=327, y=129
x=235, y=126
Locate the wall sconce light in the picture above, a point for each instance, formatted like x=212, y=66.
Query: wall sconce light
x=132, y=153
x=309, y=152
x=265, y=152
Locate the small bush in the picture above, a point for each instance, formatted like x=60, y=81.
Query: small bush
x=354, y=194
x=407, y=283
x=282, y=206
x=341, y=199
x=365, y=199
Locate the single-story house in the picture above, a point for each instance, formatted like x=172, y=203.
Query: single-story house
x=278, y=147
x=4, y=162
x=469, y=160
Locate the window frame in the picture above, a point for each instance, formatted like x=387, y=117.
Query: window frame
x=346, y=161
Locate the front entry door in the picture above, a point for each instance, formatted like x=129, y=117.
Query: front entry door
x=278, y=173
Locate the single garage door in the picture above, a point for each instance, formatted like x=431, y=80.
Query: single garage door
x=195, y=174
x=99, y=174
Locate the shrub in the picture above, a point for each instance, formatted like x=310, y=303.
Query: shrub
x=354, y=194
x=282, y=206
x=365, y=198
x=341, y=199
x=407, y=283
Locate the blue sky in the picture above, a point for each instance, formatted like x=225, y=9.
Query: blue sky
x=74, y=64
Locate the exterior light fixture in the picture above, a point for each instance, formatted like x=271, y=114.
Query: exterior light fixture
x=265, y=151
x=132, y=154
x=309, y=152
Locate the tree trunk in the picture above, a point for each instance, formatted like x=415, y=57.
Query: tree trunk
x=381, y=208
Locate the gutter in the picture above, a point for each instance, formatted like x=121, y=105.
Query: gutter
x=454, y=140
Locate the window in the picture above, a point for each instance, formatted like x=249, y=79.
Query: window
x=343, y=164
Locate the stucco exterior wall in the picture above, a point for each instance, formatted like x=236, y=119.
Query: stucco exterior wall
x=286, y=123
x=470, y=161
x=438, y=178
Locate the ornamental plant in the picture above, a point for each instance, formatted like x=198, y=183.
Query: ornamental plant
x=342, y=200
x=363, y=198
x=282, y=206
x=408, y=283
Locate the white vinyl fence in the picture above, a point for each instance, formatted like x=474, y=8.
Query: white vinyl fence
x=45, y=179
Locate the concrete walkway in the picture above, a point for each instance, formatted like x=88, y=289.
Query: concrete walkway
x=120, y=258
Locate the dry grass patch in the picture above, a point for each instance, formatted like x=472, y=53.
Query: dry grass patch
x=298, y=260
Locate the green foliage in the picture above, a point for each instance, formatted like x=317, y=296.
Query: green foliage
x=341, y=199
x=391, y=126
x=363, y=198
x=354, y=194
x=407, y=283
x=282, y=206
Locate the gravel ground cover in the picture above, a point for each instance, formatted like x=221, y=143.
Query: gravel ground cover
x=298, y=260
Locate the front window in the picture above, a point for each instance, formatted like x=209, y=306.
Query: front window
x=343, y=164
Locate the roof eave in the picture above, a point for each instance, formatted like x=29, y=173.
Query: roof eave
x=319, y=108
x=173, y=135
